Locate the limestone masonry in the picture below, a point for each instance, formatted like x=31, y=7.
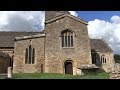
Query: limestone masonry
x=62, y=47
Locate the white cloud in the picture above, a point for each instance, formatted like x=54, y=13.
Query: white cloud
x=74, y=13
x=34, y=21
x=4, y=17
x=110, y=31
x=115, y=19
x=21, y=20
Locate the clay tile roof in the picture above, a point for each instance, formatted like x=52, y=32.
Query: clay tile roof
x=99, y=45
x=7, y=38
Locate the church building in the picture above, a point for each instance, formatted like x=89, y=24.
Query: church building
x=62, y=47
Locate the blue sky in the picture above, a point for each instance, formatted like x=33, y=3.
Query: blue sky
x=105, y=24
x=100, y=23
x=102, y=15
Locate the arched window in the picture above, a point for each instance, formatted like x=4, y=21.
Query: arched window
x=103, y=59
x=67, y=38
x=94, y=58
x=30, y=55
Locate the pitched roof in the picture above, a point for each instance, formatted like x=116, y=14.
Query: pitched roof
x=99, y=45
x=7, y=38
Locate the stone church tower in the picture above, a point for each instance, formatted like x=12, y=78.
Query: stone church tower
x=67, y=43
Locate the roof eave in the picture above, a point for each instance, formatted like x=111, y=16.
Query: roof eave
x=29, y=37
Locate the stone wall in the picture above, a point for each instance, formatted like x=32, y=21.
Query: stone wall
x=56, y=55
x=115, y=73
x=4, y=62
x=109, y=65
x=50, y=53
x=9, y=51
x=19, y=55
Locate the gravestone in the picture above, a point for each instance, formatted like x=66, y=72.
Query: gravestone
x=9, y=72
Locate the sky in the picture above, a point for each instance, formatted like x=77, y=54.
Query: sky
x=102, y=15
x=101, y=24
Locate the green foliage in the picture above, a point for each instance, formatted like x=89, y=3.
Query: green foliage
x=117, y=58
x=93, y=71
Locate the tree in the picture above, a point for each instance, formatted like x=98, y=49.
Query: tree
x=117, y=58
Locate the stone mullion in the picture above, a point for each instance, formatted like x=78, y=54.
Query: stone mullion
x=62, y=40
x=70, y=38
x=65, y=39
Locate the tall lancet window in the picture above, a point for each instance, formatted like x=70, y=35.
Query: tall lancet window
x=30, y=55
x=67, y=38
x=103, y=59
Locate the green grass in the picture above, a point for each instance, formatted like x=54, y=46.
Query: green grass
x=102, y=75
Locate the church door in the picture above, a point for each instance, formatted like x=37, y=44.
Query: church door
x=68, y=68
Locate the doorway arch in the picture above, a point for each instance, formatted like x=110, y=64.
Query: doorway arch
x=68, y=67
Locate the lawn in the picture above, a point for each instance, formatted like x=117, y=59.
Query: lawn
x=102, y=75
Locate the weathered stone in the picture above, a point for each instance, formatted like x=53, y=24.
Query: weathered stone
x=49, y=52
x=79, y=72
x=9, y=72
x=19, y=57
x=115, y=73
x=4, y=62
